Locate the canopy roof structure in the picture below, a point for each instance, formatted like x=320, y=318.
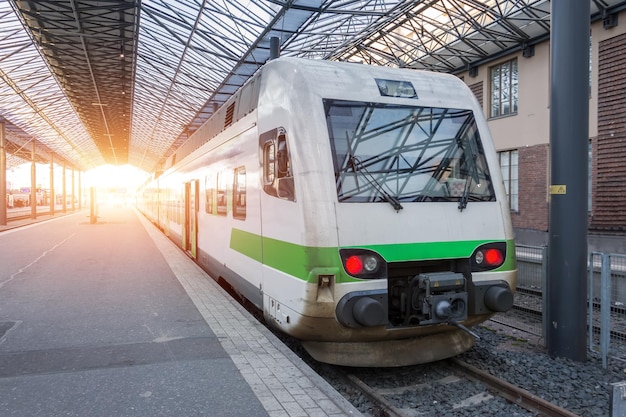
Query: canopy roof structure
x=97, y=82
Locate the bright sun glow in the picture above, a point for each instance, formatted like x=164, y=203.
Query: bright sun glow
x=111, y=176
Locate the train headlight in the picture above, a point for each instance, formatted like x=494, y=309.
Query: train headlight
x=363, y=263
x=479, y=257
x=370, y=264
x=489, y=256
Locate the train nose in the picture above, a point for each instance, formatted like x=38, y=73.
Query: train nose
x=498, y=299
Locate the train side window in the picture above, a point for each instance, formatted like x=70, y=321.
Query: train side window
x=239, y=194
x=283, y=165
x=209, y=191
x=269, y=165
x=276, y=162
x=222, y=194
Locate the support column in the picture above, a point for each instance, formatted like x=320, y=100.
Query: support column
x=3, y=176
x=569, y=139
x=33, y=183
x=80, y=191
x=53, y=197
x=274, y=47
x=73, y=191
x=93, y=209
x=64, y=189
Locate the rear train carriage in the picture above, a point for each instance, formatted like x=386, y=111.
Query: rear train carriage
x=360, y=208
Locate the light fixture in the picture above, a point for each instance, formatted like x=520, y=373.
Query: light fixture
x=528, y=51
x=609, y=20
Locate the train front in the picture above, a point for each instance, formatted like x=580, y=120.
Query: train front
x=423, y=226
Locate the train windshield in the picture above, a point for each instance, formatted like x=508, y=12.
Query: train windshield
x=396, y=153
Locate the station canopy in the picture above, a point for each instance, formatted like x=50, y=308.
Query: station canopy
x=89, y=83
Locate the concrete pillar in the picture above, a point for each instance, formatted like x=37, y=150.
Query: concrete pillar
x=33, y=183
x=80, y=191
x=3, y=176
x=93, y=208
x=64, y=189
x=617, y=404
x=52, y=192
x=73, y=191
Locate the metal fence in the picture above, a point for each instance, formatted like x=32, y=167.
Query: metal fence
x=606, y=296
x=607, y=305
x=529, y=303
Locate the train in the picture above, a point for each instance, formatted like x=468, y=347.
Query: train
x=360, y=208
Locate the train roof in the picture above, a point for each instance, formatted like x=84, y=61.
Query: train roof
x=333, y=79
x=323, y=79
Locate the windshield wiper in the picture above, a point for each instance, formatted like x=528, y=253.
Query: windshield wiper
x=470, y=157
x=357, y=166
x=465, y=196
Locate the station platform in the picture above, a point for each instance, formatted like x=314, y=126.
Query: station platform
x=112, y=319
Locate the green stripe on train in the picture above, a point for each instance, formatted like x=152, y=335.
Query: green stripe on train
x=298, y=261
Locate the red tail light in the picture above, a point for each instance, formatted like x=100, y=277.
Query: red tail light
x=363, y=263
x=489, y=256
x=354, y=265
x=493, y=257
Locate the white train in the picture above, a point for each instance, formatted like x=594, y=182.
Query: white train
x=361, y=208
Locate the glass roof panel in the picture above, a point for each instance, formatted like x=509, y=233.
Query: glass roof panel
x=31, y=98
x=178, y=60
x=186, y=50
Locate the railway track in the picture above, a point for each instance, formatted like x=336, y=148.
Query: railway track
x=448, y=388
x=428, y=394
x=515, y=394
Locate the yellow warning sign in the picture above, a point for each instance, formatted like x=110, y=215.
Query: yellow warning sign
x=558, y=189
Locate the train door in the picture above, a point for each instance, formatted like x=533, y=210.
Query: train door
x=190, y=229
x=278, y=208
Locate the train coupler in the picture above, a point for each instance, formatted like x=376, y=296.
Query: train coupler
x=465, y=329
x=438, y=297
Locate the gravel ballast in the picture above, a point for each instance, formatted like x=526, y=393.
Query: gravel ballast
x=582, y=388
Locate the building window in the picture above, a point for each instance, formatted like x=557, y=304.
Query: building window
x=504, y=90
x=509, y=167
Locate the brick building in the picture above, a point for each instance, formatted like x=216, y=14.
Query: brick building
x=514, y=91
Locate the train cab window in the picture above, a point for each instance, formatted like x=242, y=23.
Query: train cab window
x=209, y=191
x=222, y=194
x=239, y=194
x=276, y=162
x=391, y=153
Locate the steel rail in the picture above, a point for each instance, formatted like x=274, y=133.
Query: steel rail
x=515, y=394
x=380, y=401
